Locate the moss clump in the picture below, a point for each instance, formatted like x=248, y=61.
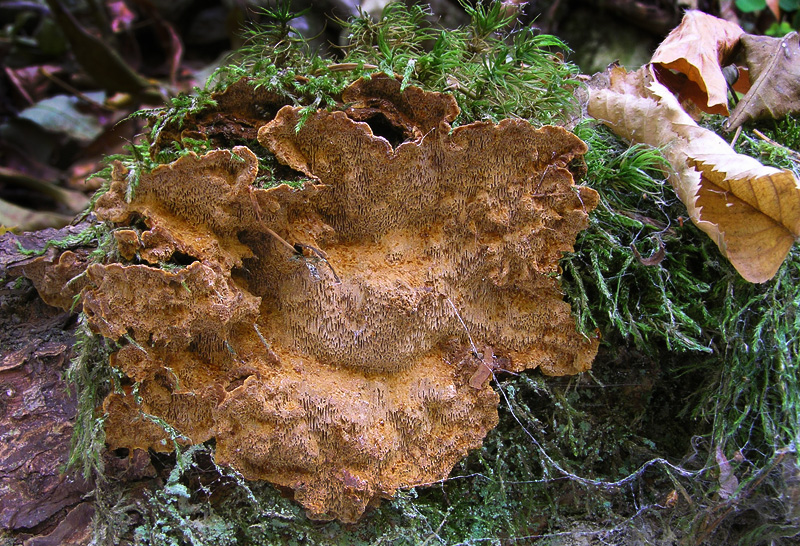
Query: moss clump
x=493, y=69
x=737, y=340
x=91, y=376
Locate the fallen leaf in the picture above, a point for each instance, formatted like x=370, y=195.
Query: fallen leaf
x=60, y=114
x=697, y=49
x=655, y=258
x=16, y=218
x=752, y=212
x=774, y=65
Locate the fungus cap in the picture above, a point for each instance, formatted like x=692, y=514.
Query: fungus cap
x=324, y=335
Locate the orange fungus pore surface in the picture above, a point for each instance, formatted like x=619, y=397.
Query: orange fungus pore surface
x=339, y=340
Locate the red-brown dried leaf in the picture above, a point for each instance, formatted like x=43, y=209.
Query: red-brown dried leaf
x=775, y=75
x=697, y=49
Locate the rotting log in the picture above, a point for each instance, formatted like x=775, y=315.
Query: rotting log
x=40, y=503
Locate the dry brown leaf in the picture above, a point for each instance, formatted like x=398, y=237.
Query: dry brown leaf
x=775, y=72
x=697, y=49
x=751, y=211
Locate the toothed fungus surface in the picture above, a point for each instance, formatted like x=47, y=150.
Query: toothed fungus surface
x=324, y=336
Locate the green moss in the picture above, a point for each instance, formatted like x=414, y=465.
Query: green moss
x=611, y=289
x=738, y=338
x=92, y=378
x=493, y=74
x=93, y=235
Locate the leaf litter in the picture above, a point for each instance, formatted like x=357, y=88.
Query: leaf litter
x=774, y=65
x=696, y=49
x=751, y=211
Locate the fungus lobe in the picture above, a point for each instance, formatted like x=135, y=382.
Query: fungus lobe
x=324, y=336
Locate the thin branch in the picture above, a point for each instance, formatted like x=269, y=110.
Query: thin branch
x=768, y=140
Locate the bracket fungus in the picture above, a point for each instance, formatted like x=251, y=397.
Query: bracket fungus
x=326, y=337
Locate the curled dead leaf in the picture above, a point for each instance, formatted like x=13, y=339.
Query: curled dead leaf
x=752, y=212
x=697, y=49
x=774, y=65
x=728, y=482
x=655, y=258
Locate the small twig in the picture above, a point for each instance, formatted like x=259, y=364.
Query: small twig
x=281, y=240
x=768, y=140
x=344, y=67
x=232, y=351
x=438, y=529
x=69, y=88
x=260, y=336
x=18, y=84
x=474, y=349
x=454, y=85
x=277, y=237
x=600, y=383
x=297, y=248
x=319, y=254
x=731, y=74
x=736, y=135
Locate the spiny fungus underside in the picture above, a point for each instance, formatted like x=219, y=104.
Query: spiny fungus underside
x=331, y=339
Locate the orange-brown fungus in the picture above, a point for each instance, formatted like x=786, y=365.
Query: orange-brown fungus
x=57, y=277
x=324, y=336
